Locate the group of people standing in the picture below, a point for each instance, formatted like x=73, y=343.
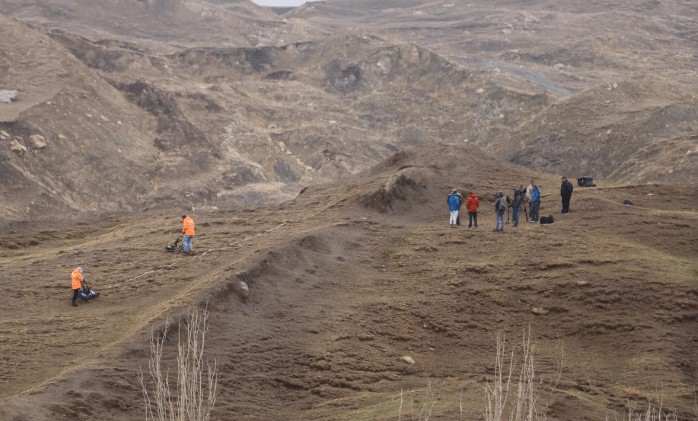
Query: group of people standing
x=472, y=203
x=188, y=231
x=531, y=194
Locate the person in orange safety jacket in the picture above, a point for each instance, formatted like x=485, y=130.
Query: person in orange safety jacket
x=188, y=232
x=76, y=279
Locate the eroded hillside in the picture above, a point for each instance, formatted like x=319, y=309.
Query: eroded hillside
x=349, y=278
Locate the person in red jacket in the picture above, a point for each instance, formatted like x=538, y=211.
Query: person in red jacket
x=472, y=203
x=76, y=280
x=188, y=231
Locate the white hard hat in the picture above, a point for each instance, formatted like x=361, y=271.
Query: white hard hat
x=79, y=268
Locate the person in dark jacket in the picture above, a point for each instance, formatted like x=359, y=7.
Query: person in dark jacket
x=519, y=195
x=566, y=193
x=454, y=203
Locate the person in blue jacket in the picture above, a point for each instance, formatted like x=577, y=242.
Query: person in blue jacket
x=454, y=202
x=535, y=204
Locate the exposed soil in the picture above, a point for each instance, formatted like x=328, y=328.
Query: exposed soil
x=340, y=292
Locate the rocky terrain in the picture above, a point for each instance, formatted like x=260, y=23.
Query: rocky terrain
x=315, y=147
x=263, y=119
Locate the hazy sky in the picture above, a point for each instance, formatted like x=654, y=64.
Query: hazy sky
x=279, y=2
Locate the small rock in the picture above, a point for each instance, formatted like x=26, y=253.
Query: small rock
x=628, y=202
x=539, y=311
x=480, y=91
x=559, y=66
x=17, y=147
x=244, y=289
x=582, y=283
x=4, y=135
x=88, y=115
x=650, y=194
x=62, y=137
x=409, y=360
x=104, y=118
x=118, y=122
x=8, y=96
x=37, y=141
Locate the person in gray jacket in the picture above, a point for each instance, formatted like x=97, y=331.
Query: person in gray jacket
x=500, y=207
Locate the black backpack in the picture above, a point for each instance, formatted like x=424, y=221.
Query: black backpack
x=547, y=219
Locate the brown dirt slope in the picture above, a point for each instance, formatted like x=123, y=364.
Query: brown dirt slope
x=342, y=288
x=637, y=132
x=96, y=149
x=154, y=25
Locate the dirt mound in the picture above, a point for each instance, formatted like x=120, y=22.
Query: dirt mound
x=417, y=180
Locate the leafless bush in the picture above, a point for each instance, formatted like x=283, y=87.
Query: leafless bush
x=194, y=396
x=514, y=399
x=651, y=413
x=418, y=412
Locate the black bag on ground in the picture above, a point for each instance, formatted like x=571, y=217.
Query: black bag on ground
x=547, y=219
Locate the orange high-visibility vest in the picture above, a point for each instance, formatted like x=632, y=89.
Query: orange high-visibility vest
x=76, y=277
x=188, y=226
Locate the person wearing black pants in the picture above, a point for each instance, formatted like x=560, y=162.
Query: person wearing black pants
x=566, y=193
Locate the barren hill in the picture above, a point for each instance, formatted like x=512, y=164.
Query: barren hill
x=644, y=131
x=347, y=279
x=258, y=124
x=70, y=141
x=155, y=25
x=315, y=148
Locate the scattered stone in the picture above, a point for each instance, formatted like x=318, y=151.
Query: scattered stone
x=88, y=115
x=559, y=66
x=8, y=96
x=650, y=194
x=627, y=202
x=118, y=122
x=4, y=135
x=37, y=141
x=244, y=289
x=409, y=360
x=62, y=137
x=539, y=311
x=17, y=147
x=582, y=283
x=480, y=91
x=103, y=118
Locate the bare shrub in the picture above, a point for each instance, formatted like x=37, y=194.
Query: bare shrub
x=417, y=412
x=651, y=413
x=194, y=395
x=516, y=399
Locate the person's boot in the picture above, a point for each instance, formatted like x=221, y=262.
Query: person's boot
x=75, y=304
